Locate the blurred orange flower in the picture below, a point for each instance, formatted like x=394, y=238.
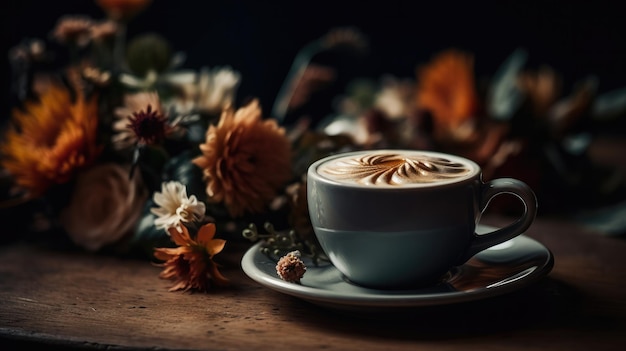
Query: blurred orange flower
x=191, y=265
x=50, y=140
x=446, y=89
x=123, y=9
x=245, y=160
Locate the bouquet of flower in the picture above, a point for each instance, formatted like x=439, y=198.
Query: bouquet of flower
x=517, y=123
x=121, y=150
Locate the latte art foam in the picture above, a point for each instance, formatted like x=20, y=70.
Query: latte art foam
x=393, y=169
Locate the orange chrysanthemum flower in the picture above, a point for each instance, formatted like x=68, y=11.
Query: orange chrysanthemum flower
x=50, y=140
x=191, y=265
x=446, y=89
x=245, y=160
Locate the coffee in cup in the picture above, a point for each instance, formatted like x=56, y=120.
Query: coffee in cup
x=403, y=218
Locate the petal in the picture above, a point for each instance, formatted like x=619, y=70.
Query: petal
x=215, y=246
x=206, y=233
x=160, y=211
x=180, y=238
x=167, y=221
x=165, y=253
x=160, y=199
x=182, y=192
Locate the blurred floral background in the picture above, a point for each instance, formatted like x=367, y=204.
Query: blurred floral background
x=133, y=127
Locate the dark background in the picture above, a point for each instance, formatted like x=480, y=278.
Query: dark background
x=260, y=38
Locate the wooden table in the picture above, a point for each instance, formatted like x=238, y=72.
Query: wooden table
x=66, y=300
x=60, y=300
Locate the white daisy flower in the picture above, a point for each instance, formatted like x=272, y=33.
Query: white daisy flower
x=175, y=207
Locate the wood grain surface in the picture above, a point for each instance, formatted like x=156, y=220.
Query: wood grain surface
x=64, y=300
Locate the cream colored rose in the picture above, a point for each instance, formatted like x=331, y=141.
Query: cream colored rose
x=104, y=207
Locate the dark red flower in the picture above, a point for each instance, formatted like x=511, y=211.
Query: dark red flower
x=150, y=126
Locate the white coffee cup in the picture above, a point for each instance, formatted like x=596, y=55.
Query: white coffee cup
x=403, y=218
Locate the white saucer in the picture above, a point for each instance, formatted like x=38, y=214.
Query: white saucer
x=501, y=269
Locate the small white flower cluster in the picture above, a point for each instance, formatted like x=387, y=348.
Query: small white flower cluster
x=176, y=207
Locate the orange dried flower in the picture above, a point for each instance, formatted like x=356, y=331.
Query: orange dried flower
x=245, y=160
x=50, y=140
x=191, y=265
x=447, y=89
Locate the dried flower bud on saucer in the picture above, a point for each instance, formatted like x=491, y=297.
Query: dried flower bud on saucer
x=290, y=267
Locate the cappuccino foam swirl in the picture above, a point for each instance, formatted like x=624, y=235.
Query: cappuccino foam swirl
x=393, y=169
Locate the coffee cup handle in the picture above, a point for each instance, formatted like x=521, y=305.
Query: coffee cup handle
x=500, y=186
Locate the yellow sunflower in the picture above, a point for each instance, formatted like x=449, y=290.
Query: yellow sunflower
x=50, y=139
x=245, y=160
